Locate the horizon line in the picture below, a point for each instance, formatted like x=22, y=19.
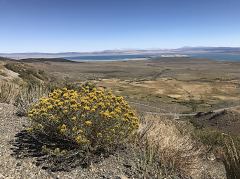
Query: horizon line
x=122, y=49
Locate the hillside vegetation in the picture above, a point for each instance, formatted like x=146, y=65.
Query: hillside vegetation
x=110, y=120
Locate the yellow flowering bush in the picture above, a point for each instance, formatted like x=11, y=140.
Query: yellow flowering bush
x=89, y=118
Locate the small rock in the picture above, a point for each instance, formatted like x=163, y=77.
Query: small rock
x=127, y=165
x=18, y=164
x=121, y=177
x=1, y=176
x=211, y=157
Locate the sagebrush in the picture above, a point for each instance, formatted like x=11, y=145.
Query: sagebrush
x=90, y=118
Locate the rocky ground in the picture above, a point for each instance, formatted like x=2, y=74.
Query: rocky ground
x=119, y=166
x=116, y=167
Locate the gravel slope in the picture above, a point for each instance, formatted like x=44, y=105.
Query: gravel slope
x=9, y=166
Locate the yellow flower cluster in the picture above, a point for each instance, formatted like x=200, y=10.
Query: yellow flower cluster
x=89, y=116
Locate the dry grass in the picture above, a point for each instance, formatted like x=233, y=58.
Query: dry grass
x=29, y=94
x=231, y=158
x=8, y=92
x=166, y=151
x=2, y=73
x=22, y=96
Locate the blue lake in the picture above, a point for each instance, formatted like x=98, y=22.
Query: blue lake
x=211, y=56
x=107, y=57
x=218, y=56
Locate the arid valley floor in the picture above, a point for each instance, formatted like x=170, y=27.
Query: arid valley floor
x=173, y=84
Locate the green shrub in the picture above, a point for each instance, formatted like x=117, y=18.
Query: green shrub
x=27, y=72
x=91, y=118
x=209, y=137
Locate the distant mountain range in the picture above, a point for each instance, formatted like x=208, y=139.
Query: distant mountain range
x=181, y=51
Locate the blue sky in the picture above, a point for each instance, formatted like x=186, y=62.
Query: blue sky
x=93, y=25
